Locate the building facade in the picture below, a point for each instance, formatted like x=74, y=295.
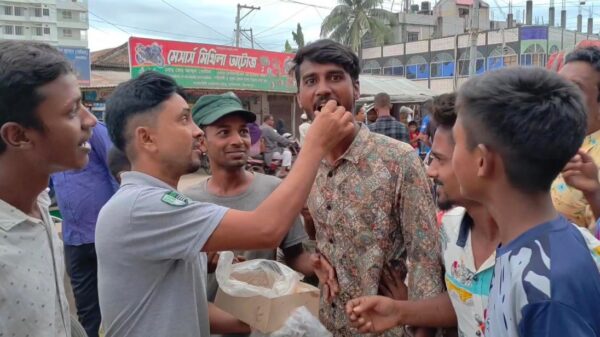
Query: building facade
x=62, y=23
x=442, y=64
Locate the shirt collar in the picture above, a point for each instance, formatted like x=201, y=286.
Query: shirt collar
x=11, y=216
x=385, y=118
x=463, y=233
x=591, y=140
x=139, y=178
x=358, y=147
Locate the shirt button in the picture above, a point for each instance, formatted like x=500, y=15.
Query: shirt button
x=330, y=174
x=475, y=278
x=328, y=207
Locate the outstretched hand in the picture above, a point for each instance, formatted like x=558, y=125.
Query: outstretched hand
x=373, y=313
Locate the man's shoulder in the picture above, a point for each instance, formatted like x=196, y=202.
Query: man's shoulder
x=390, y=147
x=266, y=181
x=197, y=191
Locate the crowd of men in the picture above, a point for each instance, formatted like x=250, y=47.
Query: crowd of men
x=512, y=161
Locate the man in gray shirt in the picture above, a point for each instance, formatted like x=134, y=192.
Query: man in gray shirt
x=151, y=240
x=275, y=144
x=227, y=143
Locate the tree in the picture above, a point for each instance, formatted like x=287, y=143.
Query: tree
x=288, y=47
x=298, y=36
x=350, y=20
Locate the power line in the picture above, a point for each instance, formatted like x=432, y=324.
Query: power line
x=305, y=4
x=194, y=19
x=281, y=22
x=169, y=33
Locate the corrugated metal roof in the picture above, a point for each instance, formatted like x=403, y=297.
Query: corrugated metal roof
x=108, y=78
x=400, y=89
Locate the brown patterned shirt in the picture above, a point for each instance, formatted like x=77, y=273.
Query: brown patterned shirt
x=373, y=207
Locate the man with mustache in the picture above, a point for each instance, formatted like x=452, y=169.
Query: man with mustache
x=469, y=238
x=370, y=203
x=151, y=240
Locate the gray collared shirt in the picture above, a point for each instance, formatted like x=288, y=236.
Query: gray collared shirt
x=151, y=271
x=32, y=294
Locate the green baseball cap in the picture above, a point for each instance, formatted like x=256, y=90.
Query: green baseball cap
x=209, y=108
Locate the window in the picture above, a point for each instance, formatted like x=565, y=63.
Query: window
x=37, y=12
x=67, y=32
x=19, y=11
x=46, y=30
x=9, y=30
x=372, y=67
x=19, y=30
x=46, y=12
x=83, y=35
x=67, y=15
x=413, y=36
x=463, y=12
x=464, y=64
x=534, y=55
x=501, y=57
x=417, y=68
x=393, y=67
x=8, y=10
x=38, y=31
x=442, y=65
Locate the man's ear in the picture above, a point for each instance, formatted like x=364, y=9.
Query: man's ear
x=356, y=90
x=144, y=138
x=15, y=135
x=298, y=100
x=487, y=162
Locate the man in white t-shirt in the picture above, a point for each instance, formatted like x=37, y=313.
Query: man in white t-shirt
x=303, y=128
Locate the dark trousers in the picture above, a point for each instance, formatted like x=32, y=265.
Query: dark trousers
x=82, y=267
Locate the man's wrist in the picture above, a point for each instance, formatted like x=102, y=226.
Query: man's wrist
x=400, y=307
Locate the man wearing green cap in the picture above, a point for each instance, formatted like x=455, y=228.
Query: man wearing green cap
x=227, y=144
x=152, y=240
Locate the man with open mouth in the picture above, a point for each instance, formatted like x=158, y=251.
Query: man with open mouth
x=371, y=200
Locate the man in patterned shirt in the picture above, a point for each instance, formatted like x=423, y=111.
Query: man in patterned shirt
x=370, y=202
x=385, y=123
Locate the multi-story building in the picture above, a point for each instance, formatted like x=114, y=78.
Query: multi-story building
x=441, y=63
x=62, y=23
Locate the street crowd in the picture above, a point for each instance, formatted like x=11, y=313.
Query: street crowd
x=480, y=222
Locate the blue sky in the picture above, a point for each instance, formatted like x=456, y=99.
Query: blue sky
x=213, y=21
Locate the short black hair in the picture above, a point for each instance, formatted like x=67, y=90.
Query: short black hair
x=134, y=97
x=444, y=113
x=117, y=162
x=327, y=51
x=532, y=117
x=24, y=68
x=413, y=123
x=590, y=55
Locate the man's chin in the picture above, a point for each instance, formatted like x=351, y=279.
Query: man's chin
x=236, y=164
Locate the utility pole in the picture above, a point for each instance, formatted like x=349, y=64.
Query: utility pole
x=238, y=20
x=250, y=38
x=474, y=37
